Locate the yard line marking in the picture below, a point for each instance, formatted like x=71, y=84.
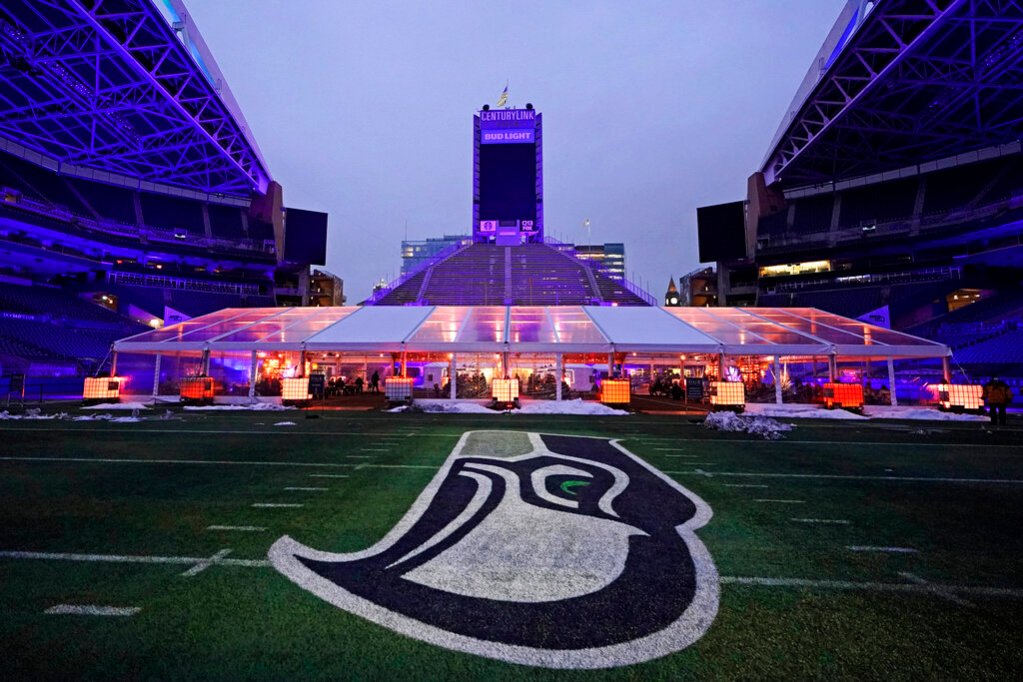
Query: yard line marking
x=359, y=456
x=889, y=550
x=274, y=505
x=769, y=500
x=1009, y=592
x=373, y=450
x=89, y=610
x=680, y=456
x=249, y=529
x=745, y=485
x=294, y=487
x=840, y=522
x=929, y=588
x=128, y=559
x=936, y=589
x=328, y=475
x=395, y=466
x=108, y=460
x=205, y=563
x=913, y=479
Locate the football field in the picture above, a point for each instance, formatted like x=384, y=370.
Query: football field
x=639, y=547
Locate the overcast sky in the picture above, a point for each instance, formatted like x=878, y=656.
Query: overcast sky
x=364, y=110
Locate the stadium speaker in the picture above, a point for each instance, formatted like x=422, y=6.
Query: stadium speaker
x=529, y=105
x=486, y=107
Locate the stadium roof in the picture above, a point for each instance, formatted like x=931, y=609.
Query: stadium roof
x=901, y=82
x=534, y=329
x=125, y=87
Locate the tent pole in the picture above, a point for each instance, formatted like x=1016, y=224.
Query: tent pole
x=721, y=367
x=113, y=364
x=832, y=367
x=891, y=381
x=156, y=376
x=777, y=380
x=252, y=377
x=559, y=371
x=453, y=376
x=946, y=370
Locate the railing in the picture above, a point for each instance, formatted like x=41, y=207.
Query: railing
x=444, y=253
x=603, y=271
x=125, y=230
x=904, y=277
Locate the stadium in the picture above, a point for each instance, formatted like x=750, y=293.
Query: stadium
x=510, y=462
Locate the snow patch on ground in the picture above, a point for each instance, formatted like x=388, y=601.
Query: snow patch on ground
x=789, y=411
x=116, y=406
x=922, y=413
x=253, y=407
x=766, y=428
x=31, y=414
x=285, y=424
x=446, y=406
x=577, y=406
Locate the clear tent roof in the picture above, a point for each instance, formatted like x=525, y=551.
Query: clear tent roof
x=562, y=329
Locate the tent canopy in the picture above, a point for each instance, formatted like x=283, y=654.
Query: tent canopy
x=534, y=329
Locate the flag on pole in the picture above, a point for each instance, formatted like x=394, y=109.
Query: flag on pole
x=503, y=99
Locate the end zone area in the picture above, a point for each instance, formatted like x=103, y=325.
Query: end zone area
x=850, y=549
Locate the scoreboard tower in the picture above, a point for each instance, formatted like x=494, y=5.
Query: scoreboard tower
x=507, y=197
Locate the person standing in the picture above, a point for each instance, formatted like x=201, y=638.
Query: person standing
x=997, y=395
x=374, y=382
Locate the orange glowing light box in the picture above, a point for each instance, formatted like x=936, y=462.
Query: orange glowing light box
x=728, y=393
x=959, y=396
x=615, y=392
x=398, y=389
x=295, y=388
x=505, y=390
x=843, y=395
x=102, y=388
x=197, y=388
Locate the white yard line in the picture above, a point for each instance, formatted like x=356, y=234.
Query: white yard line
x=108, y=460
x=206, y=563
x=395, y=466
x=359, y=456
x=89, y=610
x=769, y=500
x=275, y=505
x=914, y=588
x=889, y=550
x=745, y=485
x=328, y=475
x=294, y=487
x=845, y=477
x=839, y=522
x=247, y=529
x=374, y=450
x=939, y=590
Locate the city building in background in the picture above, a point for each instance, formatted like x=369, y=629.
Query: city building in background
x=699, y=288
x=609, y=257
x=417, y=253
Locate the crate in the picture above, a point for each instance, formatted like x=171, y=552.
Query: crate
x=843, y=395
x=959, y=397
x=398, y=389
x=616, y=392
x=295, y=389
x=505, y=390
x=727, y=394
x=102, y=389
x=197, y=389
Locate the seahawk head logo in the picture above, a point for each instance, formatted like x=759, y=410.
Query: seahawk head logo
x=555, y=551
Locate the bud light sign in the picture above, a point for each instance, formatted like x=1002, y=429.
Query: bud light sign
x=508, y=126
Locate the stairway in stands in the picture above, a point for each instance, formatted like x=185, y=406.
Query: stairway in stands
x=529, y=274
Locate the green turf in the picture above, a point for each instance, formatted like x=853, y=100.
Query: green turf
x=250, y=622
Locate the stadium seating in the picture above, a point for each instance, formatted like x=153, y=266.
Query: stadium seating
x=56, y=303
x=1006, y=349
x=878, y=203
x=813, y=214
x=529, y=274
x=160, y=210
x=226, y=221
x=112, y=203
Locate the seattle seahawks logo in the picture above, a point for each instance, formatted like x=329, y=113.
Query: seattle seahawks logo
x=554, y=551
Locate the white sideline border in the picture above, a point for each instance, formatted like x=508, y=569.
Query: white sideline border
x=91, y=610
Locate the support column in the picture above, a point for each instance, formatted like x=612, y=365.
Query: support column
x=113, y=363
x=453, y=375
x=777, y=380
x=204, y=363
x=611, y=365
x=721, y=367
x=404, y=363
x=559, y=372
x=301, y=364
x=891, y=381
x=156, y=376
x=946, y=369
x=253, y=366
x=504, y=365
x=832, y=368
